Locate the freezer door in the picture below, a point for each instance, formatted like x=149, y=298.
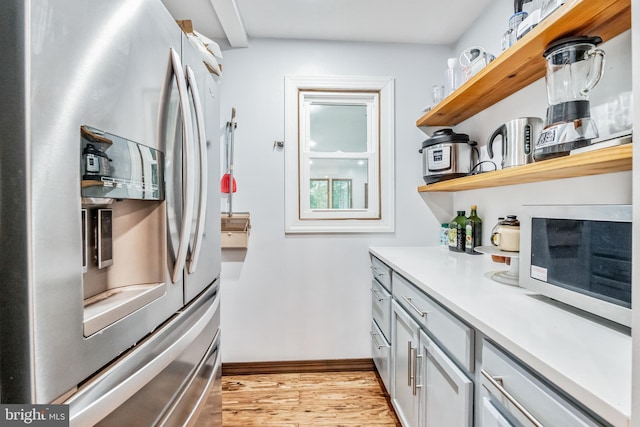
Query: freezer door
x=163, y=381
x=203, y=260
x=97, y=63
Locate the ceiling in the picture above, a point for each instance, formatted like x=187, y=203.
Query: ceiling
x=396, y=21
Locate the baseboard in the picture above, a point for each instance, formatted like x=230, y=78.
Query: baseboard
x=297, y=366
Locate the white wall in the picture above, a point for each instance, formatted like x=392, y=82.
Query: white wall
x=307, y=296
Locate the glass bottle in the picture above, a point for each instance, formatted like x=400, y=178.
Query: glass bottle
x=452, y=76
x=457, y=232
x=444, y=235
x=473, y=231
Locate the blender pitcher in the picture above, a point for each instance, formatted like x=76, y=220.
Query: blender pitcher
x=574, y=67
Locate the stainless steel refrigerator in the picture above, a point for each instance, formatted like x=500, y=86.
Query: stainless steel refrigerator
x=109, y=229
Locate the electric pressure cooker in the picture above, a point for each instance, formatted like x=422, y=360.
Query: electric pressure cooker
x=447, y=155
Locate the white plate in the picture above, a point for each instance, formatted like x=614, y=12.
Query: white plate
x=492, y=250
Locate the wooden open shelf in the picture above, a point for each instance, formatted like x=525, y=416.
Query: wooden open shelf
x=522, y=63
x=605, y=160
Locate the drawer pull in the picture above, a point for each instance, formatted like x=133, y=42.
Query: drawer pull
x=375, y=294
x=416, y=356
x=413, y=306
x=409, y=353
x=497, y=384
x=375, y=341
x=376, y=271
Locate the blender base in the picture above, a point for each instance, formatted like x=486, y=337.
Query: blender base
x=560, y=138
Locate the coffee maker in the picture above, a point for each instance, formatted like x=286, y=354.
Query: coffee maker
x=574, y=67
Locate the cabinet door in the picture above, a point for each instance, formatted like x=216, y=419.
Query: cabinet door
x=446, y=397
x=405, y=342
x=491, y=416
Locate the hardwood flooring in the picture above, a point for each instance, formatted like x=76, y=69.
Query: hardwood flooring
x=319, y=399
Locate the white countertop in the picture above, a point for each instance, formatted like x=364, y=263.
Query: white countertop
x=586, y=359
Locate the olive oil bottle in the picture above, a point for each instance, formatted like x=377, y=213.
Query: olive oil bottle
x=457, y=232
x=473, y=231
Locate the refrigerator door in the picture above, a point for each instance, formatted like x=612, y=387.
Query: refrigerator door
x=203, y=261
x=96, y=63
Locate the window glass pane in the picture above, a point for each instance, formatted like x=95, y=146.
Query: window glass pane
x=338, y=127
x=341, y=194
x=355, y=171
x=319, y=193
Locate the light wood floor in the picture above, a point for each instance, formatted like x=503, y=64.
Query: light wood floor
x=305, y=400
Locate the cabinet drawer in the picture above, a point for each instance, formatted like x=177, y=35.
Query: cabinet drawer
x=381, y=272
x=522, y=396
x=381, y=308
x=381, y=354
x=451, y=333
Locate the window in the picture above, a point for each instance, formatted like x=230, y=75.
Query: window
x=339, y=154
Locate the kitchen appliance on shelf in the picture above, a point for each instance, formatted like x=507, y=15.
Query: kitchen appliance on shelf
x=110, y=231
x=518, y=138
x=447, y=155
x=574, y=67
x=473, y=60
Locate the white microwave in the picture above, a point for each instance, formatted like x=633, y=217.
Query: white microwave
x=579, y=255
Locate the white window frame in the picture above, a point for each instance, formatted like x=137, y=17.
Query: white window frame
x=378, y=94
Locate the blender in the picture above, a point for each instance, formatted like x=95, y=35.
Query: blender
x=574, y=67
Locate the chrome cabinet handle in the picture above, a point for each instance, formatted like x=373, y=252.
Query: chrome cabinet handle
x=511, y=399
x=376, y=271
x=375, y=341
x=375, y=294
x=187, y=214
x=416, y=356
x=202, y=149
x=409, y=351
x=413, y=306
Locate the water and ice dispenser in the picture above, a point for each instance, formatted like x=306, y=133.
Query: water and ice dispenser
x=124, y=251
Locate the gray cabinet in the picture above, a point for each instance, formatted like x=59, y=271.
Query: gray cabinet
x=512, y=394
x=381, y=308
x=381, y=320
x=452, y=364
x=452, y=334
x=428, y=387
x=381, y=354
x=446, y=393
x=405, y=343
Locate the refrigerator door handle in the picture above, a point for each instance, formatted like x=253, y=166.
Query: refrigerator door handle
x=187, y=146
x=192, y=262
x=92, y=409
